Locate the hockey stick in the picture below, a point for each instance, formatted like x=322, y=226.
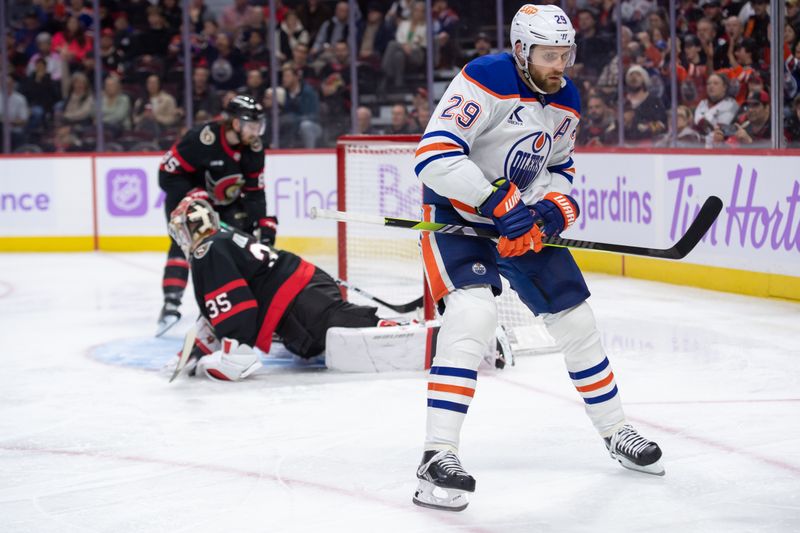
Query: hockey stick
x=188, y=342
x=399, y=308
x=705, y=218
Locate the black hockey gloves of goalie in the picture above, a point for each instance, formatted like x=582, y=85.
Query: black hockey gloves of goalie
x=266, y=230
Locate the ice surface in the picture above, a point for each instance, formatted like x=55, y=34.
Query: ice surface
x=87, y=446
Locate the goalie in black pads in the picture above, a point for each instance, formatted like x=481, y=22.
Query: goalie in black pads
x=247, y=290
x=223, y=162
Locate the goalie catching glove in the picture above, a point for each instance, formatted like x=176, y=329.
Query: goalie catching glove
x=513, y=220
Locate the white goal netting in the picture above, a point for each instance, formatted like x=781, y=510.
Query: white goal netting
x=376, y=176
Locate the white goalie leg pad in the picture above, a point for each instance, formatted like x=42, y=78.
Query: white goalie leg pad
x=380, y=349
x=233, y=362
x=467, y=334
x=576, y=335
x=400, y=347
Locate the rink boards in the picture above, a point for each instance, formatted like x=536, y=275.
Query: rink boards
x=112, y=202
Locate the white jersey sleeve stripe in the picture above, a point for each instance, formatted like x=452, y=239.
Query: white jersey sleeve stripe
x=426, y=162
x=447, y=134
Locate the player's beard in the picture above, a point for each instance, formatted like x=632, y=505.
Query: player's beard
x=246, y=138
x=548, y=80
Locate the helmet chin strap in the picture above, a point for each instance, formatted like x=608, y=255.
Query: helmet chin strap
x=529, y=78
x=523, y=66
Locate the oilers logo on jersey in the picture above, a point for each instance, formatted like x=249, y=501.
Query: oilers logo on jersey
x=527, y=157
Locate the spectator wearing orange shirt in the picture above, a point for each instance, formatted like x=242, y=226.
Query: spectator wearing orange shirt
x=744, y=69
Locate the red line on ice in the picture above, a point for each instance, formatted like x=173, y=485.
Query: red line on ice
x=447, y=518
x=674, y=431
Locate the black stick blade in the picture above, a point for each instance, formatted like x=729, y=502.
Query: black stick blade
x=705, y=218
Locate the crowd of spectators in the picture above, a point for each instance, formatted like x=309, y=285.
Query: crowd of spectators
x=722, y=70
x=723, y=67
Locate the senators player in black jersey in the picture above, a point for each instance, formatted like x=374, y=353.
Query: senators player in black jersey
x=247, y=290
x=223, y=162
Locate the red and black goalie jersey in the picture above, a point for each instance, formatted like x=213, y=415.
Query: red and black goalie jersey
x=244, y=287
x=203, y=158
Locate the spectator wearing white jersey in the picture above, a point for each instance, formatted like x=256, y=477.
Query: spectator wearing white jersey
x=717, y=110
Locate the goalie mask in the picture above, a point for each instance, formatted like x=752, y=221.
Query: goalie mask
x=546, y=35
x=191, y=222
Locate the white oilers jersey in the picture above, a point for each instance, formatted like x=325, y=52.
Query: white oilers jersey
x=488, y=125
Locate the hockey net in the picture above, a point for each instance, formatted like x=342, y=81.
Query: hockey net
x=376, y=176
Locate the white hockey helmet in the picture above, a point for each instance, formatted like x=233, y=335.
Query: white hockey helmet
x=192, y=221
x=541, y=25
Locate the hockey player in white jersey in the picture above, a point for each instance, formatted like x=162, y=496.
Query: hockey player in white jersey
x=498, y=151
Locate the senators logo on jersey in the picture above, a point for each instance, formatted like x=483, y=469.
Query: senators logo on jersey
x=225, y=189
x=204, y=157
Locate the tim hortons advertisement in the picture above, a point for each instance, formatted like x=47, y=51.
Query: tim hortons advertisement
x=649, y=200
x=46, y=197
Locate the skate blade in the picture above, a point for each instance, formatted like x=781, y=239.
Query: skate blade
x=654, y=469
x=166, y=324
x=434, y=497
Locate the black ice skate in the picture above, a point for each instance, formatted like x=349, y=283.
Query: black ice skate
x=635, y=452
x=443, y=483
x=169, y=316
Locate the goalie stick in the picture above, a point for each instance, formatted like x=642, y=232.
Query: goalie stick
x=188, y=342
x=700, y=225
x=398, y=308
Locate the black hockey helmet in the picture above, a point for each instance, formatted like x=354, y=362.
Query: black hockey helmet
x=246, y=109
